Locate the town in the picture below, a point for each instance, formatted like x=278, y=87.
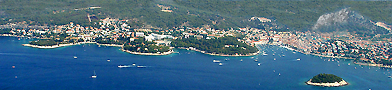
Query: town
x=119, y=32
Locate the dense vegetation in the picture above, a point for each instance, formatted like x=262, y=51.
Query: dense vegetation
x=219, y=14
x=44, y=42
x=119, y=41
x=5, y=31
x=222, y=45
x=326, y=78
x=140, y=45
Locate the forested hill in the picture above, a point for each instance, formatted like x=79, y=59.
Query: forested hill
x=194, y=13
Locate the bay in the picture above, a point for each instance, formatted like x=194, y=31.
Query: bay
x=56, y=69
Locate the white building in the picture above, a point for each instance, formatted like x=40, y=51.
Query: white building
x=139, y=34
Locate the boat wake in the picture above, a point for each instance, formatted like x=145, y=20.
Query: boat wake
x=133, y=65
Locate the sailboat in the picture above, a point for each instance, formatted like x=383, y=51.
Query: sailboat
x=94, y=76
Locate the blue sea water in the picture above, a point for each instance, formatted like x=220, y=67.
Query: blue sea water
x=56, y=69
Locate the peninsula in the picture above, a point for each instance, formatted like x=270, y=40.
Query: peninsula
x=223, y=46
x=326, y=80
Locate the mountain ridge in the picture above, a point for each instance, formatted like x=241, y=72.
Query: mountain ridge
x=220, y=14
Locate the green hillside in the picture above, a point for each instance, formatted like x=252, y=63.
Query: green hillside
x=194, y=13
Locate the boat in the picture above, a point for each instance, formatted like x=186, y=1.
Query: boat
x=274, y=58
x=216, y=61
x=141, y=66
x=264, y=53
x=389, y=76
x=94, y=76
x=123, y=66
x=241, y=60
x=258, y=64
x=75, y=57
x=298, y=59
x=256, y=60
x=108, y=60
x=220, y=64
x=348, y=64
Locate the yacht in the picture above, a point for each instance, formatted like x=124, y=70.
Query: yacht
x=216, y=61
x=141, y=66
x=123, y=66
x=264, y=53
x=298, y=59
x=94, y=76
x=75, y=57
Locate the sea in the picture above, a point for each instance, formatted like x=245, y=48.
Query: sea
x=26, y=68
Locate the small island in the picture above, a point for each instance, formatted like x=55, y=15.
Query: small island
x=326, y=80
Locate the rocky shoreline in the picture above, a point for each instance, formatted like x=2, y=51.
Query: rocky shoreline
x=139, y=53
x=336, y=84
x=213, y=54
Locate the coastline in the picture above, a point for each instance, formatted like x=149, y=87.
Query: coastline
x=69, y=44
x=374, y=65
x=111, y=45
x=365, y=64
x=153, y=54
x=336, y=84
x=213, y=54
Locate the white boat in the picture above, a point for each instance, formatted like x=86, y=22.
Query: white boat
x=123, y=66
x=108, y=60
x=141, y=66
x=241, y=60
x=348, y=64
x=75, y=57
x=298, y=59
x=256, y=60
x=264, y=53
x=220, y=64
x=258, y=64
x=216, y=61
x=389, y=76
x=94, y=76
x=274, y=58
